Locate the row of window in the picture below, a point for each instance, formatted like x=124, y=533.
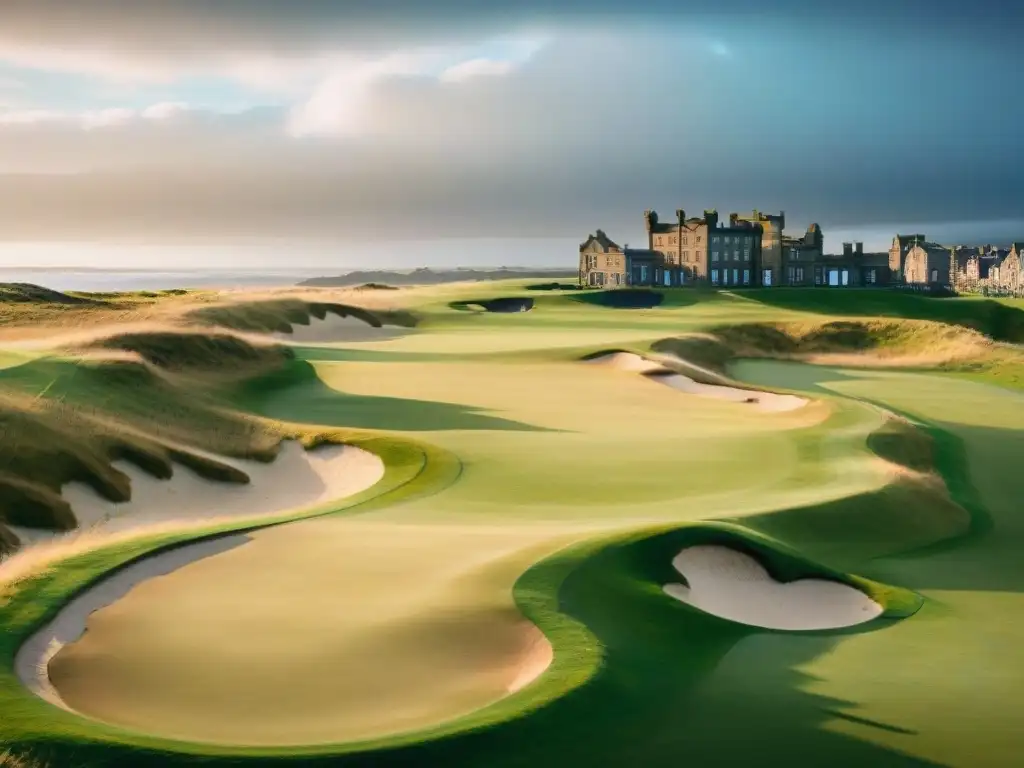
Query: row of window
x=735, y=255
x=675, y=240
x=721, y=277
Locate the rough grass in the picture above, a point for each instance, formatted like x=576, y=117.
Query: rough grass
x=27, y=293
x=280, y=315
x=9, y=759
x=45, y=444
x=185, y=351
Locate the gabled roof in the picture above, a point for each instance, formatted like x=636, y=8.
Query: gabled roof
x=604, y=243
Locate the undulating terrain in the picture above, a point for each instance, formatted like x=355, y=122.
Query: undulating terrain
x=488, y=524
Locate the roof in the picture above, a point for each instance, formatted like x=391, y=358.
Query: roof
x=605, y=243
x=643, y=253
x=1017, y=245
x=905, y=240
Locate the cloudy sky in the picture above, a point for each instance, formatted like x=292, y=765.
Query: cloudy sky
x=346, y=120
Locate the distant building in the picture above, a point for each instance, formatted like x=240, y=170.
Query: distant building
x=928, y=263
x=750, y=251
x=901, y=245
x=602, y=262
x=702, y=250
x=770, y=226
x=1011, y=269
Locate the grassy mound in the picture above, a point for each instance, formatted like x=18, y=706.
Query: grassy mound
x=280, y=315
x=1001, y=321
x=27, y=293
x=867, y=341
x=45, y=444
x=177, y=351
x=622, y=298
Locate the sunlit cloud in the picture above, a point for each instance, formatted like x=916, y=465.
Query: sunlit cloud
x=92, y=119
x=476, y=68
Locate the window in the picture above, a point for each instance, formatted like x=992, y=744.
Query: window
x=684, y=240
x=935, y=275
x=736, y=255
x=714, y=255
x=667, y=278
x=714, y=277
x=727, y=239
x=735, y=277
x=794, y=254
x=790, y=274
x=616, y=280
x=833, y=277
x=799, y=274
x=766, y=278
x=698, y=238
x=643, y=273
x=869, y=276
x=593, y=278
x=746, y=277
x=686, y=255
x=746, y=254
x=846, y=277
x=817, y=275
x=672, y=240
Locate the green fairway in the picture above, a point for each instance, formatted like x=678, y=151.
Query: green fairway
x=525, y=489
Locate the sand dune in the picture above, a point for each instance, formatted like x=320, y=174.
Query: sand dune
x=761, y=401
x=735, y=586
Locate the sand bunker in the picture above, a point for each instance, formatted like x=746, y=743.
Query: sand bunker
x=735, y=586
x=335, y=328
x=296, y=479
x=761, y=401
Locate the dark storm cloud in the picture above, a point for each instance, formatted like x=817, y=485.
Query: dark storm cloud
x=296, y=25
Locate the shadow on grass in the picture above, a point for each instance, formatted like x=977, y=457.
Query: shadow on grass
x=621, y=298
x=297, y=394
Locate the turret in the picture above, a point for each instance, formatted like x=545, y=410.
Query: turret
x=711, y=217
x=650, y=219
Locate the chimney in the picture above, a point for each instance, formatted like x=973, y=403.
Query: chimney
x=847, y=249
x=711, y=217
x=858, y=248
x=681, y=216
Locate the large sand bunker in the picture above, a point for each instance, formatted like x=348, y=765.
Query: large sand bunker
x=735, y=586
x=332, y=629
x=758, y=400
x=296, y=479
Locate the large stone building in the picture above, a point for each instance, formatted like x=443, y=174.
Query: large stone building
x=602, y=262
x=749, y=251
x=770, y=225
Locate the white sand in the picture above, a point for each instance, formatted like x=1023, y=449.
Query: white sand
x=735, y=586
x=535, y=661
x=296, y=479
x=768, y=402
x=335, y=328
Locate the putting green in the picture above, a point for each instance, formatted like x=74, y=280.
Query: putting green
x=399, y=633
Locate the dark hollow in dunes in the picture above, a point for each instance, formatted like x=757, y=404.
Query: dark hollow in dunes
x=511, y=304
x=623, y=298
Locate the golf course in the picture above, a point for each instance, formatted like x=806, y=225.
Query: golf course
x=506, y=524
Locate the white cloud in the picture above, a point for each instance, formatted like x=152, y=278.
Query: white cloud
x=92, y=119
x=476, y=68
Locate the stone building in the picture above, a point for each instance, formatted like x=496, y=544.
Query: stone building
x=770, y=269
x=1011, y=269
x=928, y=264
x=602, y=262
x=702, y=250
x=901, y=245
x=799, y=256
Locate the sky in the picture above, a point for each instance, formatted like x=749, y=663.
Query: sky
x=318, y=127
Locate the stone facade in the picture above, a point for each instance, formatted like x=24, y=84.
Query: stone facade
x=770, y=225
x=901, y=245
x=602, y=262
x=928, y=264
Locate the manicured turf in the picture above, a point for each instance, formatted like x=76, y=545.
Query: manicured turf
x=568, y=488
